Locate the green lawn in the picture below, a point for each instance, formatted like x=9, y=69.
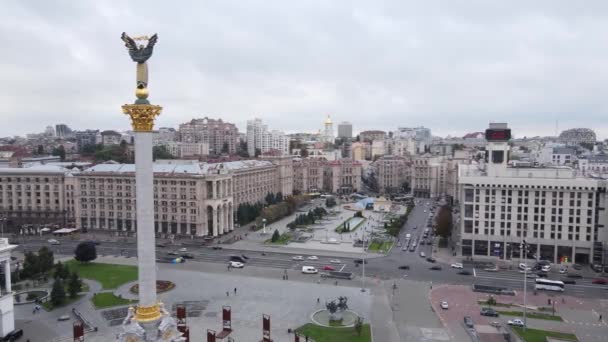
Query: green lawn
x=107, y=299
x=68, y=300
x=535, y=335
x=323, y=334
x=380, y=246
x=110, y=276
x=531, y=315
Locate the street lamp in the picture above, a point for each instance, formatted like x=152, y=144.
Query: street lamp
x=524, y=246
x=264, y=226
x=363, y=264
x=3, y=220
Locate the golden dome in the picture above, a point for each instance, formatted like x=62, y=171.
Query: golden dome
x=328, y=121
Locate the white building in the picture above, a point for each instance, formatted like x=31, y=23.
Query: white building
x=7, y=312
x=559, y=215
x=328, y=131
x=259, y=137
x=187, y=150
x=595, y=164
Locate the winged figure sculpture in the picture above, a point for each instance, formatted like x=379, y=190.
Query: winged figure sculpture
x=141, y=53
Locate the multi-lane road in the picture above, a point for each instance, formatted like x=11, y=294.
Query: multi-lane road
x=386, y=267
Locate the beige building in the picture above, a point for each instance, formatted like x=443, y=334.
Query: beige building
x=185, y=150
x=308, y=174
x=216, y=133
x=429, y=176
x=188, y=200
x=285, y=173
x=391, y=173
x=34, y=195
x=361, y=151
x=342, y=176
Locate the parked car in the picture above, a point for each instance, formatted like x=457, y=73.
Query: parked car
x=569, y=281
x=309, y=270
x=516, y=322
x=404, y=267
x=599, y=281
x=313, y=257
x=63, y=318
x=412, y=249
x=435, y=268
x=488, y=312
x=328, y=268
x=431, y=260
x=468, y=321
x=456, y=265
x=444, y=305
x=54, y=242
x=236, y=264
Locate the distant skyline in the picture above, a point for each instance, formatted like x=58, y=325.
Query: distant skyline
x=452, y=66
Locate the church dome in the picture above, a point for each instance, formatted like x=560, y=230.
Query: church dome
x=328, y=121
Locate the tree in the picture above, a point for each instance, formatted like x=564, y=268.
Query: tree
x=359, y=325
x=40, y=150
x=74, y=285
x=31, y=265
x=330, y=202
x=275, y=236
x=444, y=222
x=57, y=293
x=85, y=252
x=161, y=152
x=303, y=152
x=59, y=151
x=270, y=198
x=46, y=260
x=225, y=148
x=241, y=149
x=61, y=271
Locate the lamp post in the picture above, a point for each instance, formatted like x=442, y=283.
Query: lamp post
x=524, y=246
x=264, y=226
x=363, y=264
x=3, y=220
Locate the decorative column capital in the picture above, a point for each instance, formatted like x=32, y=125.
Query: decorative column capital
x=142, y=116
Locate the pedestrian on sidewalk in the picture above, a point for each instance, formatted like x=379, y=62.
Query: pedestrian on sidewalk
x=235, y=291
x=227, y=293
x=318, y=300
x=600, y=317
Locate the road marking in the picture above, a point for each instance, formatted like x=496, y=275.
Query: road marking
x=474, y=272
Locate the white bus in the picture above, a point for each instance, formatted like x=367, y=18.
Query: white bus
x=549, y=285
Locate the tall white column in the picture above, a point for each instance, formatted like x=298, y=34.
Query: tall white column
x=7, y=276
x=145, y=218
x=215, y=220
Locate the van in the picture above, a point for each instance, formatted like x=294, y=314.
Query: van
x=309, y=270
x=407, y=236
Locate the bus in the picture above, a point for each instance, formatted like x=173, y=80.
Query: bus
x=549, y=285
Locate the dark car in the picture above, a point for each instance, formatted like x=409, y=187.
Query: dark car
x=237, y=259
x=488, y=312
x=244, y=257
x=160, y=245
x=431, y=259
x=464, y=272
x=404, y=267
x=172, y=253
x=188, y=256
x=569, y=281
x=599, y=281
x=574, y=275
x=218, y=247
x=577, y=267
x=13, y=335
x=542, y=274
x=468, y=321
x=435, y=268
x=360, y=261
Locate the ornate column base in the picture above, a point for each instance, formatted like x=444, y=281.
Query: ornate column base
x=149, y=324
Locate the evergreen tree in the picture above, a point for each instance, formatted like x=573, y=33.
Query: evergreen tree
x=85, y=251
x=74, y=285
x=57, y=293
x=275, y=236
x=31, y=265
x=46, y=260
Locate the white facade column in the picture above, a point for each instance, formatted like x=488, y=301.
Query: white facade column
x=146, y=257
x=7, y=276
x=215, y=220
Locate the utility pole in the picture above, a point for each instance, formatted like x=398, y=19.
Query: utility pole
x=525, y=246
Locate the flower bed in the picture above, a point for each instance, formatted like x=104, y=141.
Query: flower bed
x=161, y=286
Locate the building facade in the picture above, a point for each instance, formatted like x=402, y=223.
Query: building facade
x=345, y=130
x=110, y=138
x=577, y=136
x=259, y=138
x=84, y=138
x=559, y=215
x=308, y=174
x=369, y=136
x=221, y=136
x=188, y=200
x=429, y=176
x=187, y=150
x=391, y=172
x=342, y=176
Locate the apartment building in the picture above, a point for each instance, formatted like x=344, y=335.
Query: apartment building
x=391, y=173
x=260, y=138
x=34, y=195
x=560, y=216
x=342, y=176
x=429, y=176
x=188, y=200
x=187, y=150
x=221, y=136
x=308, y=174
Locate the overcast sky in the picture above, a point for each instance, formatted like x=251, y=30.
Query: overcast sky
x=451, y=65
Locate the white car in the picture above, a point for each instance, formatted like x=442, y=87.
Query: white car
x=184, y=249
x=335, y=261
x=563, y=270
x=444, y=305
x=422, y=255
x=491, y=269
x=297, y=257
x=516, y=322
x=313, y=257
x=456, y=265
x=54, y=242
x=546, y=268
x=524, y=267
x=309, y=270
x=236, y=264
